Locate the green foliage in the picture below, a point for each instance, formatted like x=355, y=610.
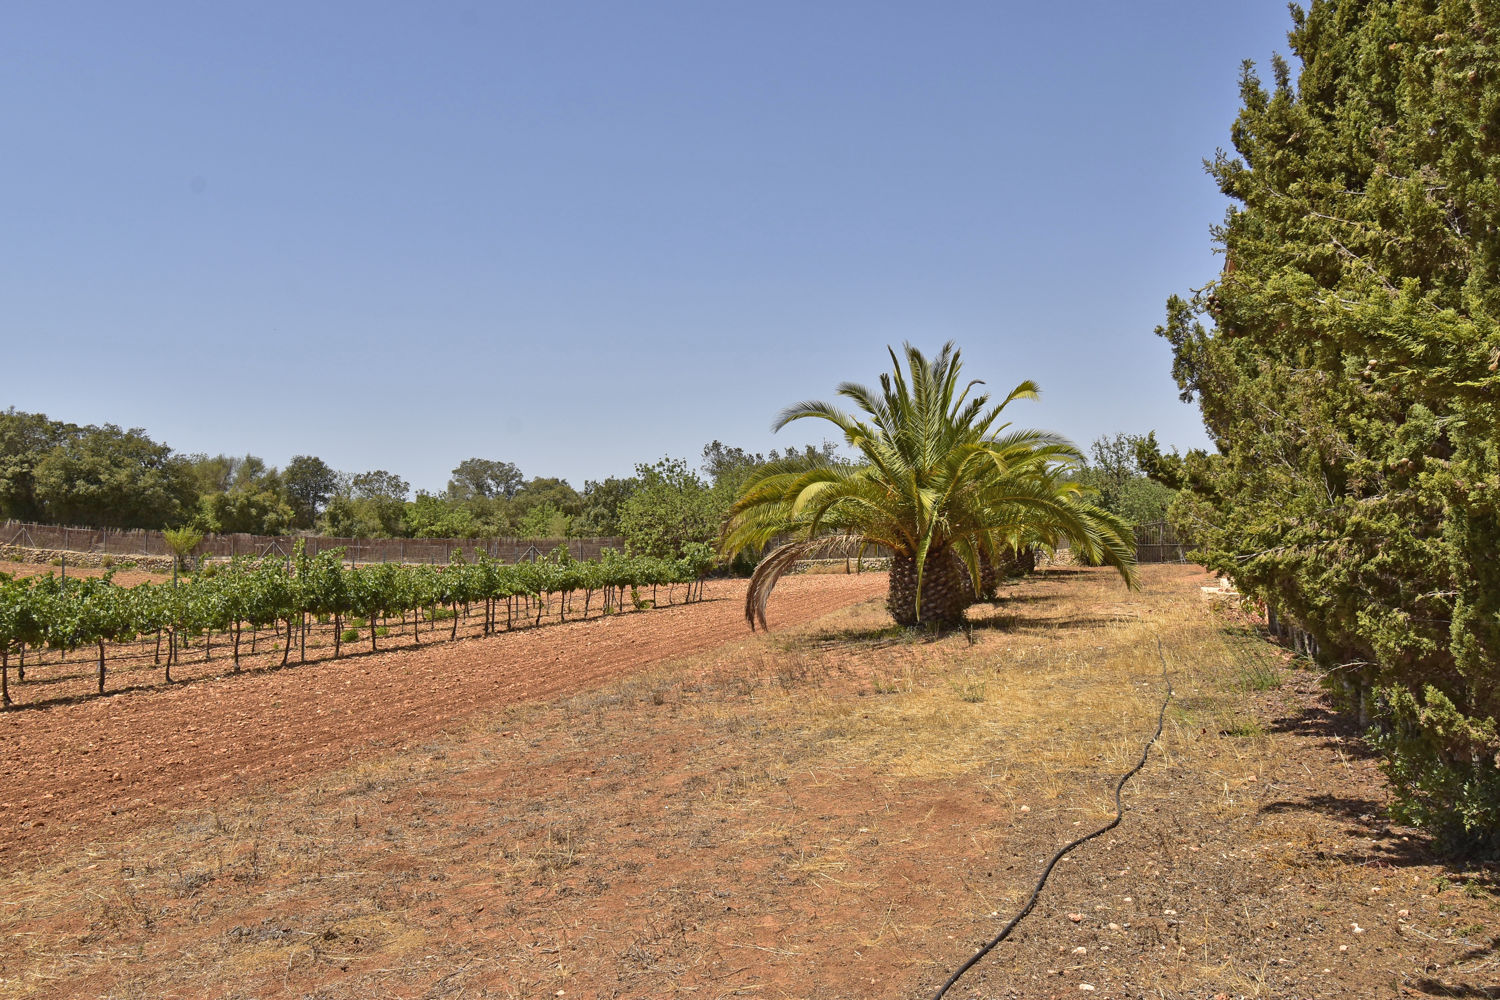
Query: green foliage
x=1445, y=763
x=1121, y=485
x=240, y=495
x=942, y=483
x=543, y=521
x=182, y=542
x=1348, y=375
x=113, y=478
x=486, y=478
x=25, y=438
x=545, y=490
x=344, y=517
x=308, y=484
x=599, y=516
x=729, y=467
x=367, y=505
x=256, y=512
x=671, y=509
x=431, y=516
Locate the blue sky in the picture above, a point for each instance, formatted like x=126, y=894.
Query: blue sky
x=578, y=236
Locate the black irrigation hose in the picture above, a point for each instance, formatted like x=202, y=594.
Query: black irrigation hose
x=1119, y=814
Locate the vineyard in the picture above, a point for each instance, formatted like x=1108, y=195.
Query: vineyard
x=264, y=609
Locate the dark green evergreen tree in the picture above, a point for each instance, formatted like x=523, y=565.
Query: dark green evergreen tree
x=112, y=478
x=25, y=439
x=1346, y=365
x=308, y=483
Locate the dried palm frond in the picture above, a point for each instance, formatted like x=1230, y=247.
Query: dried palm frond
x=771, y=569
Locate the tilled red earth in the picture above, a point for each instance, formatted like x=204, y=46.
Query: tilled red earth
x=71, y=772
x=127, y=577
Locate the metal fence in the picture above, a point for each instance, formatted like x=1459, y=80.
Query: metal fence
x=140, y=542
x=1158, y=542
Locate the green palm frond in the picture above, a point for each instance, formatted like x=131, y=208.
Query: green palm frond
x=939, y=471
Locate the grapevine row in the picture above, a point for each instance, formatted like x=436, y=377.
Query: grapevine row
x=291, y=596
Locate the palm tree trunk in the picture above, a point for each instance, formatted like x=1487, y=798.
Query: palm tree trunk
x=946, y=590
x=989, y=578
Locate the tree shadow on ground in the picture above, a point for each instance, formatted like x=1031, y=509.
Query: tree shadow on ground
x=1368, y=823
x=1321, y=722
x=876, y=636
x=1038, y=624
x=1436, y=988
x=1021, y=599
x=869, y=637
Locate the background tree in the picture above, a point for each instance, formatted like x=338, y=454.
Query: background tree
x=112, y=478
x=486, y=478
x=25, y=439
x=308, y=483
x=1348, y=375
x=438, y=516
x=253, y=511
x=239, y=495
x=211, y=474
x=728, y=467
x=671, y=509
x=543, y=520
x=600, y=504
x=1121, y=484
x=367, y=505
x=545, y=489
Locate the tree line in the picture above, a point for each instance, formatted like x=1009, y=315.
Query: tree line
x=104, y=476
x=1347, y=365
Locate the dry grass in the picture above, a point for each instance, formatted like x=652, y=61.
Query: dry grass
x=841, y=810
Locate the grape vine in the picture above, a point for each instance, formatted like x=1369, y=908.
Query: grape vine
x=294, y=597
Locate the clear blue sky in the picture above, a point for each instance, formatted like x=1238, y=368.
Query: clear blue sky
x=578, y=236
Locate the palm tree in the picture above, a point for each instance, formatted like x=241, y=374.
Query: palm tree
x=941, y=482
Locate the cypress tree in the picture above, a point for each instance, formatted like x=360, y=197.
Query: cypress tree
x=1345, y=361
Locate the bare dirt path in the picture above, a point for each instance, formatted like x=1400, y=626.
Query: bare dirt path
x=72, y=772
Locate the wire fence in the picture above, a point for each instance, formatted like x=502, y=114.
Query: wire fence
x=436, y=551
x=1158, y=542
x=1155, y=542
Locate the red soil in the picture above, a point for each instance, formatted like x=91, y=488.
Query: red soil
x=74, y=770
x=124, y=577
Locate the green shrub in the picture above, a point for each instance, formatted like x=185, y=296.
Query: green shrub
x=1443, y=768
x=349, y=635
